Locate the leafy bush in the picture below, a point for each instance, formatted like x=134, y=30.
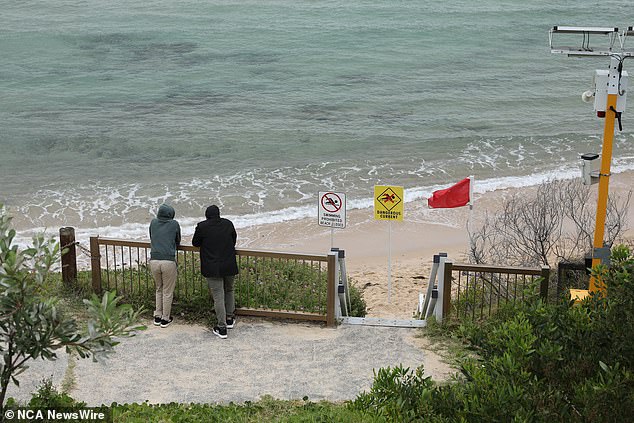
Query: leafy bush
x=570, y=362
x=31, y=324
x=536, y=362
x=47, y=396
x=358, y=305
x=399, y=395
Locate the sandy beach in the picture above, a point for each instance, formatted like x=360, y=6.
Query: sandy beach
x=413, y=243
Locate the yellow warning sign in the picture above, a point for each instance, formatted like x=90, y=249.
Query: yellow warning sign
x=388, y=203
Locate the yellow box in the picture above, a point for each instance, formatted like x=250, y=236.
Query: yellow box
x=579, y=294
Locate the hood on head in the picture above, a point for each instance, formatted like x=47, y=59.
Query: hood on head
x=212, y=212
x=166, y=212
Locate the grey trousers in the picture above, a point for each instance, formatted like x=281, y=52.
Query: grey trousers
x=164, y=273
x=224, y=301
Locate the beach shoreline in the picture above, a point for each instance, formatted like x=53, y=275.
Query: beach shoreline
x=411, y=244
x=383, y=256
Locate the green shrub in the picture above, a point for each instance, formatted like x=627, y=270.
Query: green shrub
x=471, y=302
x=608, y=396
x=31, y=324
x=358, y=305
x=563, y=350
x=399, y=395
x=536, y=362
x=47, y=396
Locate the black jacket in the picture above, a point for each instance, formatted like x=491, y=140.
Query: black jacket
x=216, y=238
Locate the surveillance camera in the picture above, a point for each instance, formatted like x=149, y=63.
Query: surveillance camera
x=587, y=96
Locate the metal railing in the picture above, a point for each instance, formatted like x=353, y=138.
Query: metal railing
x=270, y=284
x=574, y=275
x=476, y=291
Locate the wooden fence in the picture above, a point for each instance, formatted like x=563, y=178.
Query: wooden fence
x=476, y=291
x=270, y=284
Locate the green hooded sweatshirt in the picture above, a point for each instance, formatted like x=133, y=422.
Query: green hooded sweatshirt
x=165, y=234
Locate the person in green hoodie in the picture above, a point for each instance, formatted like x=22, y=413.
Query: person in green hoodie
x=165, y=237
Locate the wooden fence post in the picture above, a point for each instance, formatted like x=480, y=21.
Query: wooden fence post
x=331, y=291
x=69, y=259
x=446, y=293
x=95, y=264
x=543, y=286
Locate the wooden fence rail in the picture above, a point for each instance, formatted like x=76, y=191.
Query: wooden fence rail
x=271, y=284
x=476, y=291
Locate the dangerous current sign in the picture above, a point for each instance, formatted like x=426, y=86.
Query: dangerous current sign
x=388, y=202
x=332, y=209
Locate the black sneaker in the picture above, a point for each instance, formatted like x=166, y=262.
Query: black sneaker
x=166, y=323
x=220, y=332
x=157, y=321
x=231, y=321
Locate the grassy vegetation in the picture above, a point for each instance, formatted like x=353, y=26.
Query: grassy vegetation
x=262, y=283
x=265, y=410
x=447, y=341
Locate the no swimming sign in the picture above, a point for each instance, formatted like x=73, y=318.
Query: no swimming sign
x=332, y=209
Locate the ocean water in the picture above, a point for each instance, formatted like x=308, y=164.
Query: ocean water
x=108, y=109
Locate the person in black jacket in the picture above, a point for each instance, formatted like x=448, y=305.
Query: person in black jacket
x=216, y=238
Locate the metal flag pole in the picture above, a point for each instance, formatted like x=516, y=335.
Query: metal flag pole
x=471, y=181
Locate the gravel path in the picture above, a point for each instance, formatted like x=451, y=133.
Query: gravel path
x=187, y=363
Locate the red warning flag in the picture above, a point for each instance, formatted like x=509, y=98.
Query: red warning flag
x=454, y=196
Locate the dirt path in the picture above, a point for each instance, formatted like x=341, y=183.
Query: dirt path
x=187, y=363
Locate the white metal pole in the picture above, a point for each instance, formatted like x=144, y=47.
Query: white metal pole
x=438, y=309
x=344, y=278
x=471, y=181
x=332, y=237
x=389, y=262
x=336, y=282
x=430, y=285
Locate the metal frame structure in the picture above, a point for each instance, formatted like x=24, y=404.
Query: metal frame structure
x=614, y=91
x=612, y=33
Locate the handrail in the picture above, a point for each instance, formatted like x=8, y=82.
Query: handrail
x=329, y=260
x=490, y=291
x=498, y=269
x=239, y=251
